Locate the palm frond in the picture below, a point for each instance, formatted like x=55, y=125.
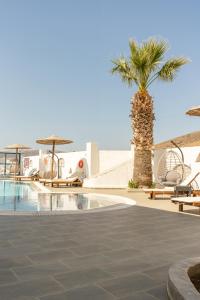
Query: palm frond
x=145, y=64
x=122, y=67
x=139, y=63
x=147, y=58
x=133, y=47
x=155, y=51
x=171, y=67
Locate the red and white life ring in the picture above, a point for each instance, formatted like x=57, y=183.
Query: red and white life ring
x=80, y=164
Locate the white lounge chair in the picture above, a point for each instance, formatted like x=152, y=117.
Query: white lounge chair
x=33, y=175
x=192, y=201
x=71, y=181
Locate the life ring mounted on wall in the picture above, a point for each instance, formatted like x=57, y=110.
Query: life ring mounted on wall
x=80, y=164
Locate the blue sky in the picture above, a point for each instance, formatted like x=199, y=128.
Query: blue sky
x=55, y=61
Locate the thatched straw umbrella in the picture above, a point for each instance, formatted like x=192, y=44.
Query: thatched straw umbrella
x=53, y=140
x=194, y=111
x=17, y=147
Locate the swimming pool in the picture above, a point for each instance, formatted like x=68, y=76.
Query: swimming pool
x=24, y=197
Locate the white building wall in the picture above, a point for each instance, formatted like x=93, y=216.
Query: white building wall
x=71, y=160
x=92, y=159
x=104, y=168
x=116, y=177
x=70, y=165
x=33, y=164
x=110, y=159
x=190, y=155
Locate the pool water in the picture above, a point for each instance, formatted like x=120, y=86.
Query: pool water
x=23, y=197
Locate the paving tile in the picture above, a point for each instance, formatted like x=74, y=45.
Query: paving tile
x=33, y=288
x=84, y=293
x=191, y=249
x=40, y=270
x=6, y=276
x=87, y=261
x=63, y=244
x=140, y=296
x=18, y=251
x=120, y=245
x=29, y=240
x=159, y=274
x=89, y=249
x=49, y=256
x=26, y=298
x=126, y=267
x=122, y=254
x=159, y=292
x=127, y=285
x=81, y=277
x=14, y=262
x=154, y=260
x=5, y=244
x=133, y=264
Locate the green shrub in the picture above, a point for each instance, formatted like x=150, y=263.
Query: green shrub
x=153, y=185
x=133, y=184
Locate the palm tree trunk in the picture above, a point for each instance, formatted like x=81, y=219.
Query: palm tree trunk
x=142, y=118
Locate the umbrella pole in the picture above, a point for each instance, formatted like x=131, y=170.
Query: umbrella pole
x=16, y=166
x=52, y=161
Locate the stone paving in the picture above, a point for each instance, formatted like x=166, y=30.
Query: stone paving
x=122, y=254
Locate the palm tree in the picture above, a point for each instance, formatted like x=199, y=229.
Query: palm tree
x=145, y=65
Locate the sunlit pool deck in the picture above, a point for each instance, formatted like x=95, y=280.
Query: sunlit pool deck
x=118, y=254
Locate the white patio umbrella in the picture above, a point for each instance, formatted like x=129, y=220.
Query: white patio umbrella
x=53, y=140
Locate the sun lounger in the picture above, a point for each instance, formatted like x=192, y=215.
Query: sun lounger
x=34, y=176
x=42, y=180
x=179, y=190
x=156, y=192
x=75, y=181
x=192, y=201
x=196, y=193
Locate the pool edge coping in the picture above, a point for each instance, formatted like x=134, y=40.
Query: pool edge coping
x=43, y=190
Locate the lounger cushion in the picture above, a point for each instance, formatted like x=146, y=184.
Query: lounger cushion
x=173, y=176
x=169, y=183
x=72, y=179
x=32, y=172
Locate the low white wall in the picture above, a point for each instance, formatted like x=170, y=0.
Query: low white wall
x=67, y=168
x=104, y=168
x=117, y=177
x=110, y=159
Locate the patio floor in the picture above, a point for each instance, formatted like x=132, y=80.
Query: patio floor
x=123, y=254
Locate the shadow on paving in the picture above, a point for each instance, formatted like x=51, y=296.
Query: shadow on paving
x=122, y=254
